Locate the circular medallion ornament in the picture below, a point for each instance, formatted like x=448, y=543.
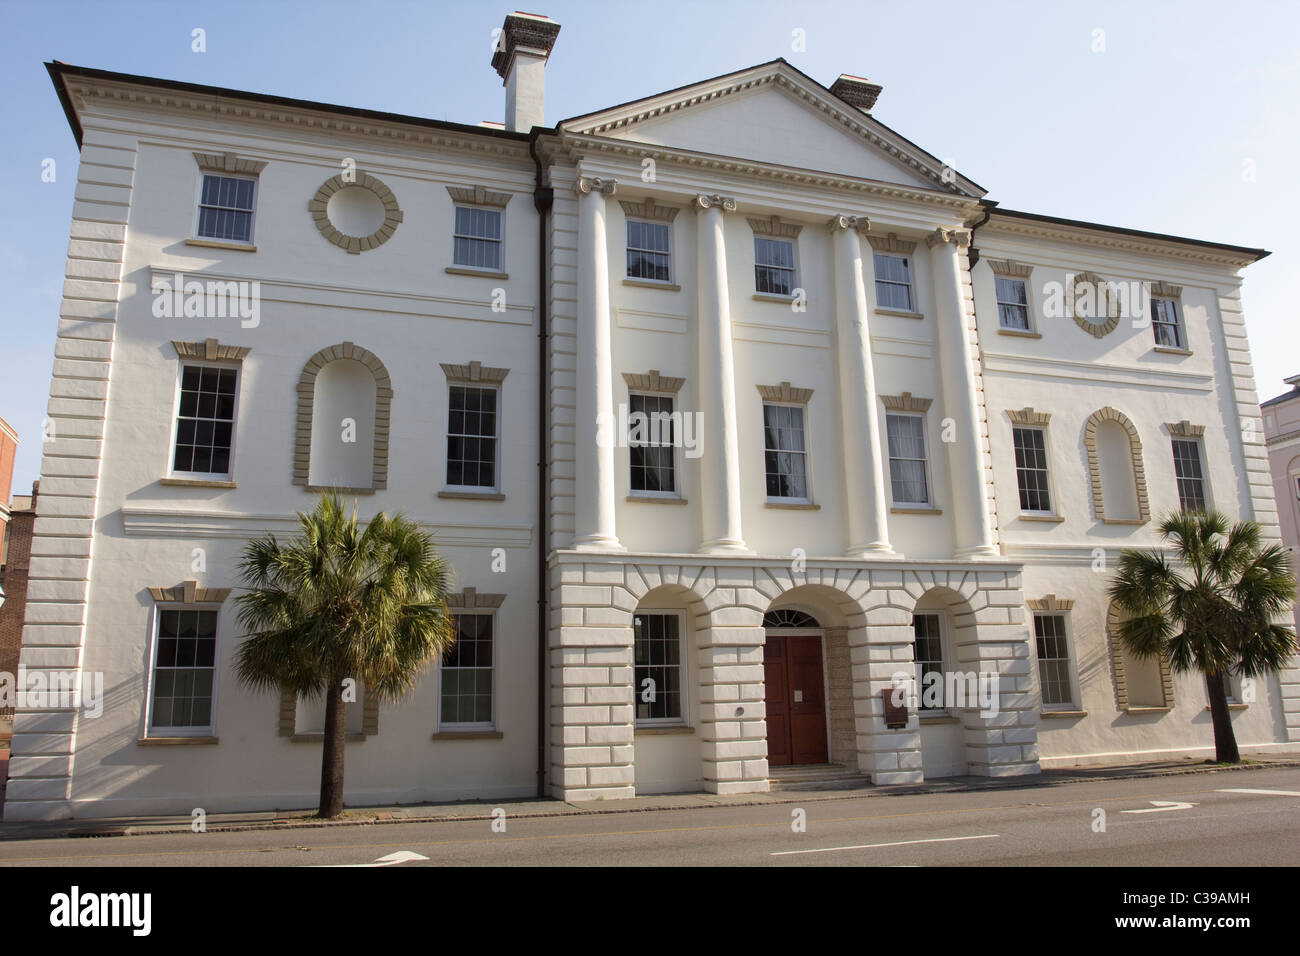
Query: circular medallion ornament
x=355, y=213
x=1093, y=304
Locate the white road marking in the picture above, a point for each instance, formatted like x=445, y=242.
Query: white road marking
x=1161, y=806
x=392, y=859
x=1264, y=793
x=874, y=846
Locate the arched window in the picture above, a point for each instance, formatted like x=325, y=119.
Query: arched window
x=1119, y=486
x=344, y=399
x=789, y=617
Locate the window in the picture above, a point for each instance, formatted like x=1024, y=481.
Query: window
x=226, y=208
x=658, y=652
x=1031, y=469
x=1053, y=660
x=477, y=238
x=205, y=420
x=472, y=437
x=184, y=667
x=649, y=255
x=907, y=460
x=774, y=266
x=1189, y=474
x=1166, y=323
x=927, y=652
x=785, y=452
x=1013, y=303
x=650, y=444
x=466, y=673
x=893, y=282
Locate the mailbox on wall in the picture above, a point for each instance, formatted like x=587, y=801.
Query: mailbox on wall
x=896, y=715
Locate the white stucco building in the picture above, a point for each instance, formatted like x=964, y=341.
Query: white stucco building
x=906, y=436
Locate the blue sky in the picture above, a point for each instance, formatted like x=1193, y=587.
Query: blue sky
x=1158, y=131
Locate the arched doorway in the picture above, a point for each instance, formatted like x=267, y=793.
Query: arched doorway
x=795, y=688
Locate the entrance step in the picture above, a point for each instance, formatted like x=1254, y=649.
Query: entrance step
x=815, y=776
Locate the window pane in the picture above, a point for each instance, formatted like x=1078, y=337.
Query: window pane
x=472, y=437
x=905, y=438
x=1189, y=474
x=785, y=455
x=656, y=640
x=205, y=423
x=466, y=672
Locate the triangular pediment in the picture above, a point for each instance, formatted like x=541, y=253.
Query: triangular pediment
x=774, y=114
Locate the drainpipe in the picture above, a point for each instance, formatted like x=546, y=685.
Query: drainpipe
x=543, y=198
x=974, y=253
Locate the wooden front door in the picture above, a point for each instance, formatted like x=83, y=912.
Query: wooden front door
x=796, y=700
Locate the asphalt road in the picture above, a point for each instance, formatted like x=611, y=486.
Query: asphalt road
x=1025, y=826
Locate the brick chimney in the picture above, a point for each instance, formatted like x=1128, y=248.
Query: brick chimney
x=856, y=91
x=520, y=59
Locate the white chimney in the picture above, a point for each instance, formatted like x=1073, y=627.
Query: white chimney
x=522, y=50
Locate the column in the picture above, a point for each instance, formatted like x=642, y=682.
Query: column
x=594, y=437
x=720, y=463
x=972, y=526
x=864, y=476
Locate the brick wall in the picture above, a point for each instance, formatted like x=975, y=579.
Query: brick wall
x=14, y=582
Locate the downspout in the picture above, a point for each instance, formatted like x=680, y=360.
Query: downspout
x=543, y=198
x=974, y=253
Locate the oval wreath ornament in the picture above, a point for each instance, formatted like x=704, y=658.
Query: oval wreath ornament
x=318, y=206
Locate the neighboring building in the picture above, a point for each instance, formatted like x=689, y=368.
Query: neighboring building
x=910, y=458
x=8, y=449
x=13, y=578
x=1282, y=435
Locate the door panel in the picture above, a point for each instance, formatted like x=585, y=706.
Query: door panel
x=795, y=699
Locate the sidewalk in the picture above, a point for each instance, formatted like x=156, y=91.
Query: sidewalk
x=546, y=807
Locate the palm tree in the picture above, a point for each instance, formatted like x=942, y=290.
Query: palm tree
x=1213, y=611
x=340, y=603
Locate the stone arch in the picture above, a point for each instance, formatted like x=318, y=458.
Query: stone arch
x=306, y=403
x=1122, y=670
x=1105, y=301
x=1095, y=421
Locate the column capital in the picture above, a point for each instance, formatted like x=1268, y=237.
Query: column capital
x=960, y=237
x=708, y=201
x=590, y=184
x=860, y=224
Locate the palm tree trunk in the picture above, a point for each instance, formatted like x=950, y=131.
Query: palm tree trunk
x=331, y=765
x=1225, y=741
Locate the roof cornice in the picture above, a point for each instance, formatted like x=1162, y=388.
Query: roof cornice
x=577, y=146
x=780, y=74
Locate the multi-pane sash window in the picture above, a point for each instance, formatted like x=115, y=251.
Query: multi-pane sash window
x=1166, y=324
x=472, y=437
x=1031, y=469
x=466, y=672
x=650, y=443
x=1189, y=474
x=648, y=253
x=657, y=644
x=893, y=282
x=785, y=452
x=773, y=266
x=205, y=423
x=226, y=208
x=1013, y=303
x=927, y=652
x=183, y=669
x=907, y=459
x=1053, y=659
x=478, y=238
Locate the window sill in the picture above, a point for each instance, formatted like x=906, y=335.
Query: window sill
x=473, y=495
x=175, y=741
x=916, y=511
x=657, y=500
x=195, y=483
x=220, y=244
x=1170, y=350
x=937, y=719
x=650, y=284
x=653, y=730
x=1146, y=710
x=1048, y=518
x=1132, y=521
x=317, y=489
x=1020, y=333
x=481, y=273
x=1062, y=714
x=318, y=738
x=900, y=314
x=468, y=735
x=1231, y=706
x=792, y=505
x=771, y=297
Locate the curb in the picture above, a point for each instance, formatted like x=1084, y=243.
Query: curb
x=1049, y=778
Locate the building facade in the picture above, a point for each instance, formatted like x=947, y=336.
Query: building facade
x=815, y=420
x=1282, y=436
